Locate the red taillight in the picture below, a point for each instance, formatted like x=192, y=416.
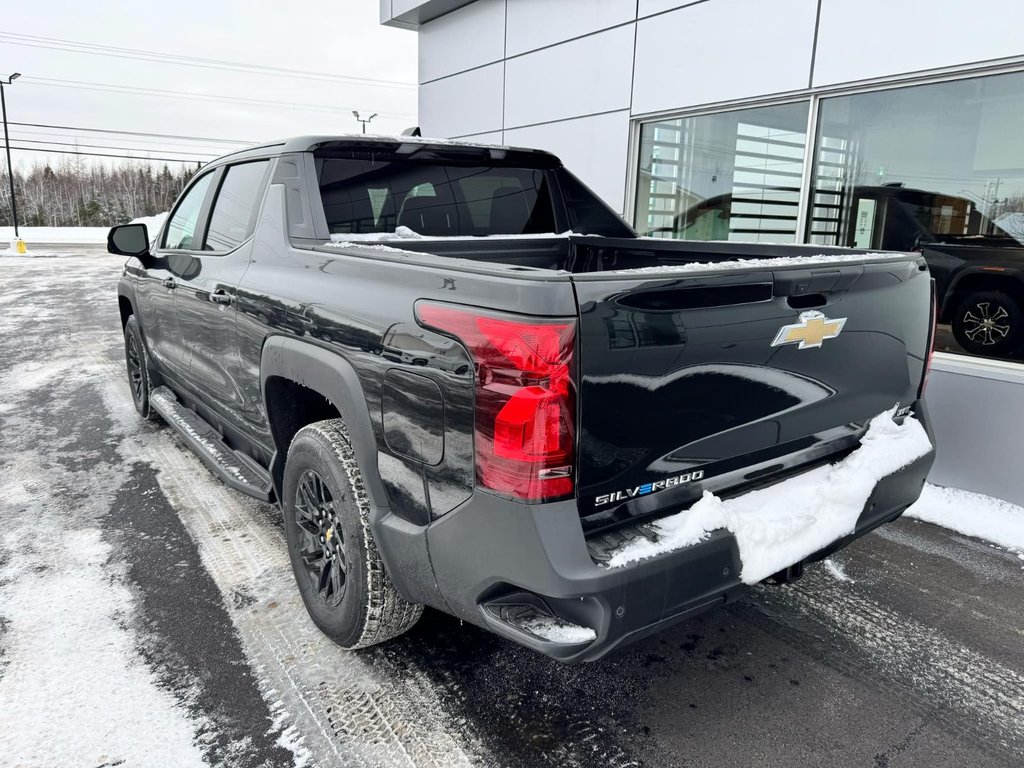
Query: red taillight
x=525, y=399
x=932, y=316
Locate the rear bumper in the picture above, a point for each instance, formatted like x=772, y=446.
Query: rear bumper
x=489, y=552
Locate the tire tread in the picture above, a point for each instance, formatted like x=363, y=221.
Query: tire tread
x=386, y=614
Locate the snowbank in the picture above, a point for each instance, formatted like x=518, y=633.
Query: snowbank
x=972, y=514
x=76, y=235
x=778, y=526
x=153, y=223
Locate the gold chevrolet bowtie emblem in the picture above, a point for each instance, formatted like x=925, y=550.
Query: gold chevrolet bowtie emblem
x=810, y=332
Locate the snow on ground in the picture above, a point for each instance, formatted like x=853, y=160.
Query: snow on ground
x=75, y=689
x=786, y=522
x=972, y=514
x=76, y=235
x=836, y=570
x=83, y=235
x=153, y=223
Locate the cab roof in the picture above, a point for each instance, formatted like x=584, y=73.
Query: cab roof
x=397, y=144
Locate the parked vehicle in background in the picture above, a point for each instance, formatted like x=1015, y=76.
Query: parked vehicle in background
x=977, y=261
x=471, y=386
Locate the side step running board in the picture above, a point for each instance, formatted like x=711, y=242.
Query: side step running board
x=236, y=469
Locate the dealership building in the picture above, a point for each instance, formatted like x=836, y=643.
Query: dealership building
x=866, y=124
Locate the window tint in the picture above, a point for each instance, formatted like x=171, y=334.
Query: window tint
x=361, y=196
x=588, y=215
x=233, y=218
x=181, y=231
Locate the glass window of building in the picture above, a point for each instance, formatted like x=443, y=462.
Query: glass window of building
x=728, y=176
x=940, y=168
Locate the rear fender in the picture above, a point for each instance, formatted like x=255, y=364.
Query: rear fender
x=402, y=545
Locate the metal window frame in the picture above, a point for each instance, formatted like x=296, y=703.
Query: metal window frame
x=813, y=97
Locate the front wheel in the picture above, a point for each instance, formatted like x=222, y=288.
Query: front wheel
x=339, y=572
x=989, y=323
x=140, y=380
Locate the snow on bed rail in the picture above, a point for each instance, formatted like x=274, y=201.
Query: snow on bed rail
x=778, y=526
x=760, y=264
x=405, y=233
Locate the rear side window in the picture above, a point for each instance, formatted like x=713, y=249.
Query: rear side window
x=233, y=218
x=181, y=229
x=588, y=214
x=370, y=196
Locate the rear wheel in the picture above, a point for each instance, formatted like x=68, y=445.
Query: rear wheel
x=140, y=380
x=338, y=570
x=989, y=323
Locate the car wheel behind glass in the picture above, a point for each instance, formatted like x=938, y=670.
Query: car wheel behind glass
x=989, y=323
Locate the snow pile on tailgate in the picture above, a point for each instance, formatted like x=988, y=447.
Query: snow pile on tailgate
x=778, y=526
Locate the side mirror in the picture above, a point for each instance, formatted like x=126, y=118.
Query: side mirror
x=128, y=240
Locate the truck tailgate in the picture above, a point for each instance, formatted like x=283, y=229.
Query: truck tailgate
x=721, y=379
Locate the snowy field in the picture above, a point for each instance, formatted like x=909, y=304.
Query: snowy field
x=148, y=617
x=44, y=239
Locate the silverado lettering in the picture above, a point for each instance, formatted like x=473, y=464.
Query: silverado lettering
x=646, y=488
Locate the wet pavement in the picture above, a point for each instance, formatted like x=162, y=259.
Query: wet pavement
x=914, y=657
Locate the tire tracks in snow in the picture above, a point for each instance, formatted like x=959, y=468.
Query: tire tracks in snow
x=342, y=708
x=970, y=692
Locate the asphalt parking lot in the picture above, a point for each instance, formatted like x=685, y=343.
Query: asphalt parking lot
x=126, y=567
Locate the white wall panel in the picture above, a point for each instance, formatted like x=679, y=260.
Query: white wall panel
x=722, y=50
x=872, y=38
x=536, y=23
x=494, y=137
x=594, y=148
x=585, y=76
x=976, y=408
x=647, y=7
x=462, y=39
x=463, y=104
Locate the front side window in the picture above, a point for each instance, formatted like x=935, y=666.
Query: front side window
x=181, y=230
x=233, y=218
x=433, y=198
x=728, y=176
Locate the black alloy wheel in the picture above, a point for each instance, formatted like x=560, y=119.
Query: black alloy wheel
x=136, y=378
x=321, y=541
x=341, y=577
x=140, y=377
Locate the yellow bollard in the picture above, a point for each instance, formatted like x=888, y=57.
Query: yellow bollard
x=19, y=247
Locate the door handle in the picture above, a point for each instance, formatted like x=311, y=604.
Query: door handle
x=169, y=282
x=220, y=297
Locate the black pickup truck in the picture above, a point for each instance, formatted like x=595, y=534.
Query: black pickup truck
x=470, y=385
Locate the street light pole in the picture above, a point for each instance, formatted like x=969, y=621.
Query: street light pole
x=364, y=122
x=7, y=146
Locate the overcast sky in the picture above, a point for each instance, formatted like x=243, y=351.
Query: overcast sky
x=330, y=40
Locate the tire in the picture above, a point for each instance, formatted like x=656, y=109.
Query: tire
x=140, y=378
x=989, y=323
x=355, y=603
